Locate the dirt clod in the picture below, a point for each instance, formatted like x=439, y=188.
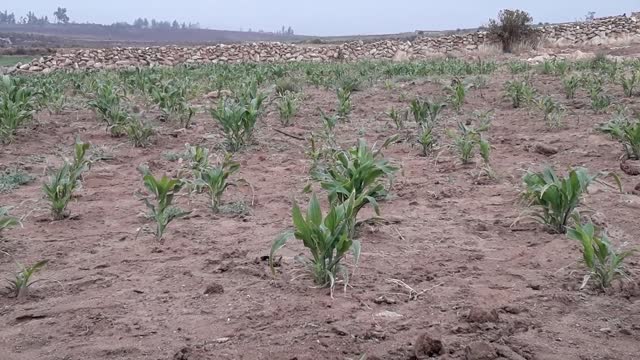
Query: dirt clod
x=426, y=346
x=480, y=351
x=545, y=149
x=631, y=167
x=480, y=315
x=214, y=288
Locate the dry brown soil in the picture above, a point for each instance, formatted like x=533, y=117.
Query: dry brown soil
x=110, y=292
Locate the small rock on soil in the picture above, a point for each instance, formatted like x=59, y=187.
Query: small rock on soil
x=480, y=315
x=480, y=351
x=426, y=347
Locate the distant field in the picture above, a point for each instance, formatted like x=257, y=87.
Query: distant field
x=10, y=60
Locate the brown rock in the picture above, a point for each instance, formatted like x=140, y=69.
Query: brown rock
x=426, y=347
x=544, y=149
x=480, y=315
x=214, y=288
x=480, y=351
x=636, y=190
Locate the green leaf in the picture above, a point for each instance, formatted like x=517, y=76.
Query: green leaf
x=277, y=244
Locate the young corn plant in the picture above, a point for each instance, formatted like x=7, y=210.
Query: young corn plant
x=426, y=112
x=426, y=139
x=458, y=93
x=328, y=239
x=22, y=281
x=399, y=118
x=571, y=85
x=344, y=102
x=519, y=92
x=627, y=132
x=359, y=170
x=287, y=107
x=17, y=106
x=215, y=180
x=171, y=98
x=107, y=104
x=600, y=101
x=554, y=199
x=553, y=111
x=465, y=142
x=163, y=191
x=7, y=221
x=604, y=262
x=629, y=83
x=140, y=133
x=236, y=123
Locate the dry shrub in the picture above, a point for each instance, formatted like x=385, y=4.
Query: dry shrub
x=512, y=27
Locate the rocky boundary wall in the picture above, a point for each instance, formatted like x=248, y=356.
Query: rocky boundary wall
x=598, y=31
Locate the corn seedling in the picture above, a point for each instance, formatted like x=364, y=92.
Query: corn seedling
x=518, y=67
x=17, y=106
x=627, y=132
x=344, y=102
x=554, y=199
x=426, y=112
x=399, y=118
x=457, y=94
x=328, y=239
x=286, y=86
x=7, y=221
x=59, y=190
x=465, y=141
x=163, y=191
x=604, y=262
x=552, y=110
x=107, y=104
x=287, y=107
x=140, y=132
x=426, y=139
x=599, y=100
x=519, y=92
x=236, y=123
x=215, y=180
x=571, y=85
x=629, y=83
x=171, y=98
x=359, y=170
x=19, y=286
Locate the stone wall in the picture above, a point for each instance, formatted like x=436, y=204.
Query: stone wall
x=594, y=32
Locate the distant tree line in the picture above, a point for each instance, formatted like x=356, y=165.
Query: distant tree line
x=61, y=17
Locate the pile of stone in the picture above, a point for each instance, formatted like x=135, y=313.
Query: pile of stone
x=599, y=30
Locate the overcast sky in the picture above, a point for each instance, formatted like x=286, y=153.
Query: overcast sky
x=323, y=17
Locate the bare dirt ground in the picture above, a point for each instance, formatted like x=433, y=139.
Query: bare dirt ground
x=205, y=293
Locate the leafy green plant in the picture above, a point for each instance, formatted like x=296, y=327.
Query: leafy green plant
x=163, y=190
x=426, y=139
x=629, y=83
x=171, y=98
x=518, y=67
x=553, y=111
x=215, y=180
x=7, y=221
x=519, y=92
x=198, y=158
x=604, y=262
x=107, y=104
x=554, y=199
x=457, y=93
x=22, y=279
x=344, y=101
x=626, y=132
x=59, y=190
x=466, y=140
x=328, y=239
x=399, y=118
x=140, y=133
x=236, y=122
x=359, y=170
x=426, y=112
x=285, y=86
x=599, y=100
x=571, y=85
x=287, y=107
x=17, y=106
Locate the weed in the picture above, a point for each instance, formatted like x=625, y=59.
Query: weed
x=327, y=238
x=604, y=262
x=629, y=83
x=7, y=221
x=399, y=118
x=163, y=191
x=11, y=179
x=286, y=86
x=554, y=198
x=22, y=280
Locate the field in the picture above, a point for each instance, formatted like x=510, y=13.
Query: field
x=12, y=60
x=452, y=257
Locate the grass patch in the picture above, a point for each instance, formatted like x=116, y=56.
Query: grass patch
x=11, y=179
